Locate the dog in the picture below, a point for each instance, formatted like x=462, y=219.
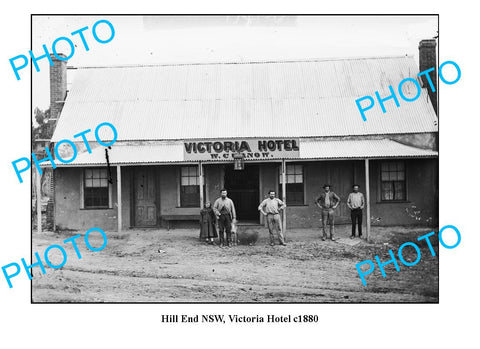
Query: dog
x=234, y=233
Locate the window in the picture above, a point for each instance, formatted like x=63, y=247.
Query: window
x=189, y=188
x=294, y=184
x=392, y=178
x=96, y=192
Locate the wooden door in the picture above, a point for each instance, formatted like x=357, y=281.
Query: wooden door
x=144, y=191
x=341, y=179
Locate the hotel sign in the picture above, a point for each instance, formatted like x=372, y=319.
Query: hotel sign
x=251, y=149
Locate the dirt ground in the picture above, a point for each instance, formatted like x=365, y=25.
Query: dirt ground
x=173, y=266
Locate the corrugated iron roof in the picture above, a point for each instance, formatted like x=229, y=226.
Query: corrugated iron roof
x=172, y=152
x=130, y=154
x=361, y=149
x=263, y=99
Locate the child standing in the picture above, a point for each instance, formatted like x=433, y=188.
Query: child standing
x=207, y=224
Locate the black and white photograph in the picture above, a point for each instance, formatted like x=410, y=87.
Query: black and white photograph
x=236, y=158
x=217, y=174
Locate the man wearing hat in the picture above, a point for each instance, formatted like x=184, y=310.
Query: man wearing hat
x=328, y=202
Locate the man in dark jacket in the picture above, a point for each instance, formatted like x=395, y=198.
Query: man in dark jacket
x=225, y=211
x=328, y=202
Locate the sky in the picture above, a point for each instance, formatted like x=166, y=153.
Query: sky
x=188, y=39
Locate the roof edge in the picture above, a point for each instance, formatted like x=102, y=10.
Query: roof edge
x=258, y=61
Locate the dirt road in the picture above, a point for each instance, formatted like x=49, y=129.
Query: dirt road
x=173, y=266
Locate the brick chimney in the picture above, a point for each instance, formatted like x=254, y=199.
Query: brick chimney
x=58, y=93
x=58, y=87
x=428, y=59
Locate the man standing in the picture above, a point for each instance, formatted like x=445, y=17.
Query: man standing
x=356, y=203
x=225, y=211
x=328, y=202
x=271, y=208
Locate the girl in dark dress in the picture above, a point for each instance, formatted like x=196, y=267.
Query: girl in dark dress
x=207, y=224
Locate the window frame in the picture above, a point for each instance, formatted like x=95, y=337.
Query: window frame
x=181, y=200
x=380, y=182
x=294, y=174
x=83, y=178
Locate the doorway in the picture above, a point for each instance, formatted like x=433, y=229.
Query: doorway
x=145, y=196
x=243, y=189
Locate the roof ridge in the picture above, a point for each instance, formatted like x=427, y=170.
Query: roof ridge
x=258, y=61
